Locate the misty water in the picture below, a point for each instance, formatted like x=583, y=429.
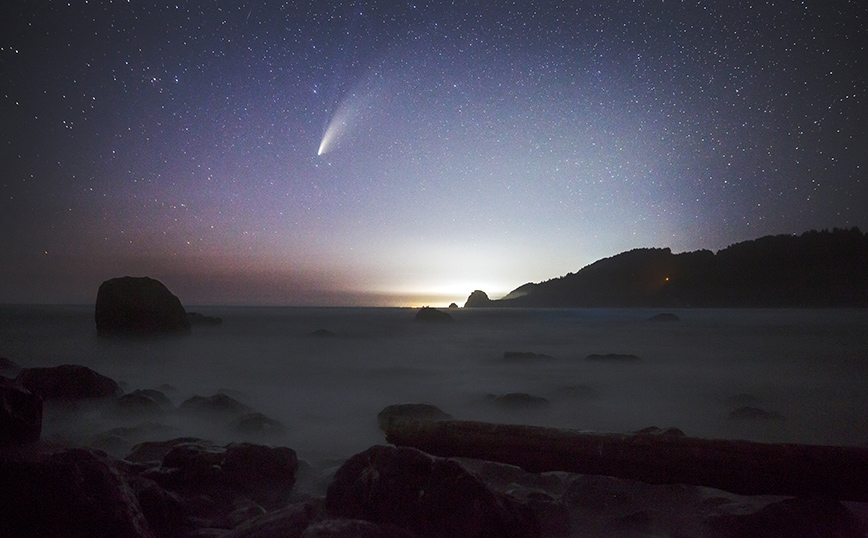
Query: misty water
x=809, y=366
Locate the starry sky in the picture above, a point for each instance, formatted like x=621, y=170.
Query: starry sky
x=406, y=153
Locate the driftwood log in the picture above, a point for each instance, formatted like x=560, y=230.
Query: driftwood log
x=742, y=467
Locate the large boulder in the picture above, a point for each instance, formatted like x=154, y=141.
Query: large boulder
x=67, y=382
x=138, y=306
x=477, y=299
x=198, y=469
x=427, y=495
x=74, y=494
x=20, y=416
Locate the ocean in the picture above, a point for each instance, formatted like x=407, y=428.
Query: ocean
x=807, y=368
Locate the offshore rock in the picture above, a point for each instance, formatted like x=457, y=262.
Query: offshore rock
x=519, y=400
x=612, y=357
x=665, y=316
x=428, y=314
x=195, y=318
x=428, y=495
x=218, y=405
x=416, y=411
x=477, y=299
x=138, y=306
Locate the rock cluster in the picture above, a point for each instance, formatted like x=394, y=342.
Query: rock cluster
x=189, y=487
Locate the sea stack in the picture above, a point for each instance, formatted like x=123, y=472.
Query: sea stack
x=477, y=299
x=138, y=306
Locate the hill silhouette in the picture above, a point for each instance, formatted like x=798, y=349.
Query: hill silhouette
x=815, y=269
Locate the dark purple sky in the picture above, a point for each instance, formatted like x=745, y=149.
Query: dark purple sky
x=408, y=153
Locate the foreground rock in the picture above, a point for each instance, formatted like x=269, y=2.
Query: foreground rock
x=20, y=417
x=71, y=494
x=427, y=495
x=67, y=382
x=138, y=306
x=9, y=368
x=789, y=518
x=216, y=476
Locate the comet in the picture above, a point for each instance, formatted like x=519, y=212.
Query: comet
x=335, y=130
x=354, y=107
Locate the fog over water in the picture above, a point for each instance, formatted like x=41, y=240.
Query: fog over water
x=810, y=366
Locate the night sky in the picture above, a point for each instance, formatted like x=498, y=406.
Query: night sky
x=401, y=153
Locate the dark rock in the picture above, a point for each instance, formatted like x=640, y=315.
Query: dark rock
x=428, y=314
x=654, y=430
x=665, y=316
x=322, y=333
x=158, y=396
x=427, y=495
x=539, y=492
x=137, y=404
x=453, y=305
x=790, y=518
x=614, y=357
x=290, y=521
x=155, y=451
x=354, y=528
x=257, y=425
x=71, y=494
x=216, y=405
x=416, y=411
x=20, y=417
x=118, y=442
x=519, y=400
x=167, y=389
x=138, y=306
x=67, y=382
x=477, y=299
x=522, y=355
x=754, y=413
x=262, y=473
x=215, y=477
x=9, y=368
x=195, y=318
x=163, y=510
